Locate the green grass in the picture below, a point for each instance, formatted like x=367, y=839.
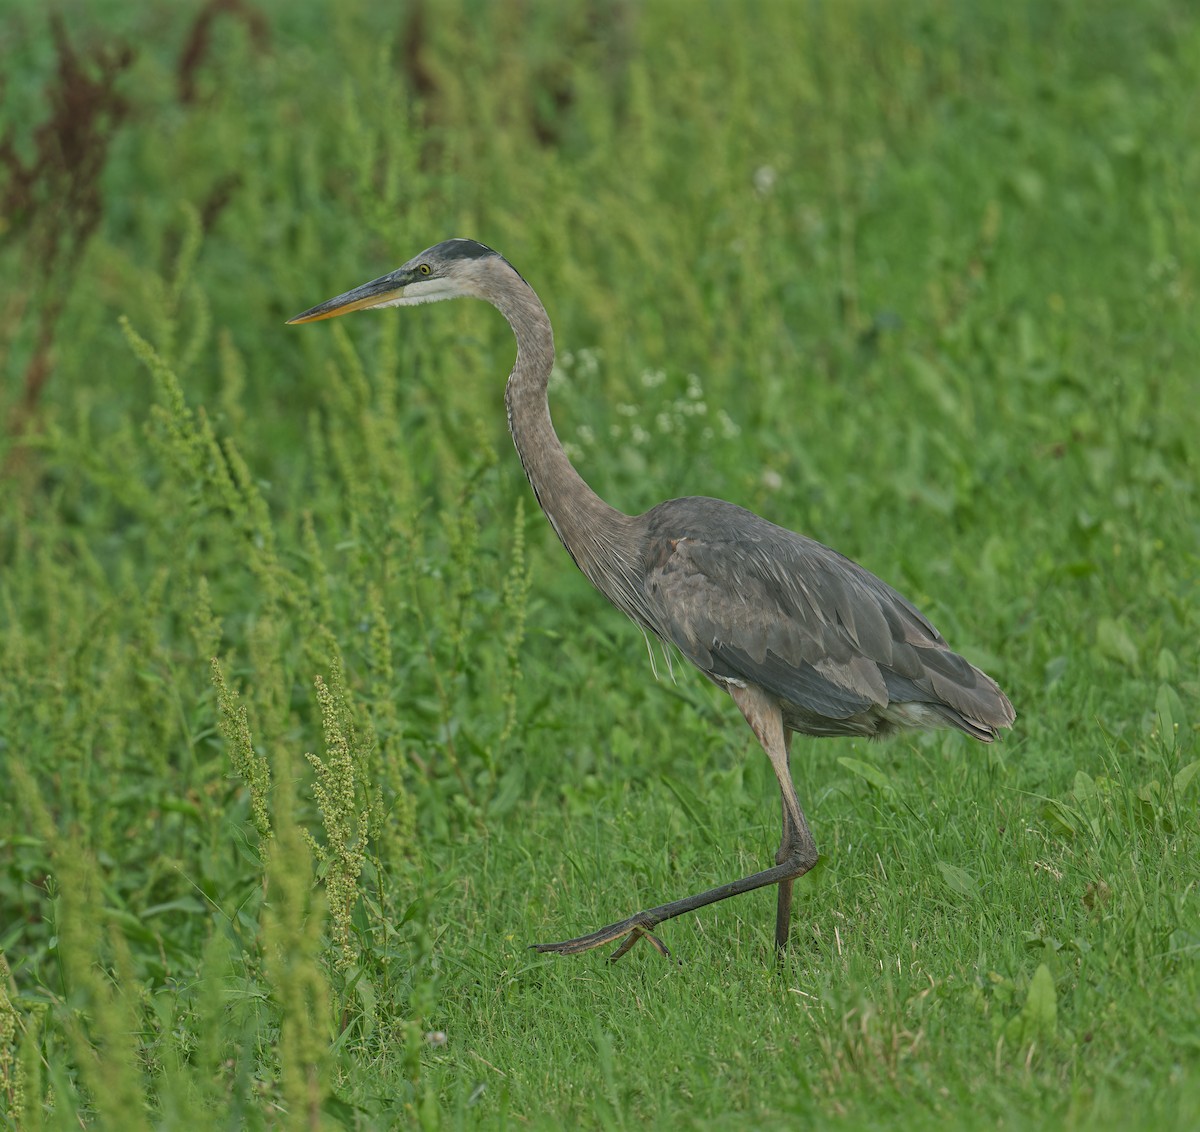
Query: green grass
x=918, y=280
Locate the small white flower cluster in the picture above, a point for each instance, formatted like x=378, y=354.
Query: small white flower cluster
x=570, y=366
x=582, y=364
x=677, y=419
x=765, y=177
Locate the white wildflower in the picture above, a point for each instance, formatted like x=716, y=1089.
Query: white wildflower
x=765, y=177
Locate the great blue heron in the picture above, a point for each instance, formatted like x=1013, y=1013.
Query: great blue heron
x=802, y=638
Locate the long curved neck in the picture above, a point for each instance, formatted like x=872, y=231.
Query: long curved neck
x=597, y=536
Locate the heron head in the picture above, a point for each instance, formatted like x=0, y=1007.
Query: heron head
x=449, y=270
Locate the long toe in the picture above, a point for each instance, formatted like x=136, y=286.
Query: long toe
x=628, y=931
x=633, y=937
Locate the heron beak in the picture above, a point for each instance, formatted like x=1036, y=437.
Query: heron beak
x=384, y=291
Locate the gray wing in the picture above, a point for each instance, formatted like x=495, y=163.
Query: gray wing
x=750, y=602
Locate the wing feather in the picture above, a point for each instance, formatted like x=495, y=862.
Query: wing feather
x=752, y=603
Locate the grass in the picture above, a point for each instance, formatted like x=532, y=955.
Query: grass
x=308, y=725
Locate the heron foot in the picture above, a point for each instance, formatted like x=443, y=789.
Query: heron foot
x=635, y=928
x=801, y=855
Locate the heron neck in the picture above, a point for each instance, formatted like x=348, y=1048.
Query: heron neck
x=594, y=533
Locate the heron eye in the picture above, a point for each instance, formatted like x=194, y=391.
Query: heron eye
x=424, y=269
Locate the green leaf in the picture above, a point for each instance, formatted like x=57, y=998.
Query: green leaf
x=1185, y=778
x=871, y=774
x=932, y=380
x=364, y=989
x=1084, y=788
x=959, y=880
x=1061, y=817
x=1053, y=670
x=1115, y=643
x=1171, y=717
x=1167, y=667
x=1038, y=1019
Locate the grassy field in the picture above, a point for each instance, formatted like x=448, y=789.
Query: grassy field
x=308, y=726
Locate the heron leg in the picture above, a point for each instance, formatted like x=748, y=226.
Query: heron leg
x=763, y=714
x=797, y=851
x=783, y=911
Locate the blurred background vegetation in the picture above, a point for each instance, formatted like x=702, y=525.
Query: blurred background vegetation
x=307, y=724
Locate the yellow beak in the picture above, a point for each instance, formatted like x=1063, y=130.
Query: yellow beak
x=378, y=293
